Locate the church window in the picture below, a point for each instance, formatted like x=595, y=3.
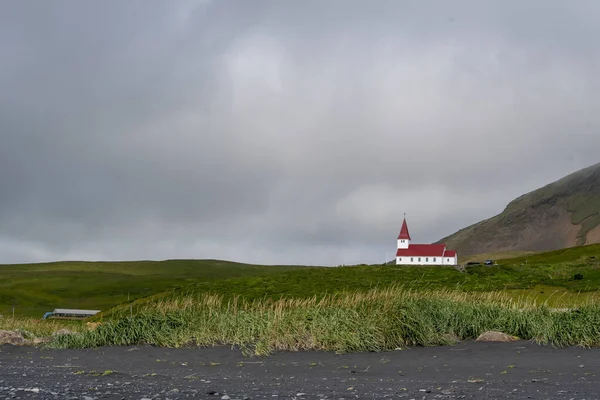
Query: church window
x=433, y=259
x=427, y=259
x=419, y=259
x=412, y=259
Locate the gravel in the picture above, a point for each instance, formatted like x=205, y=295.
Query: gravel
x=469, y=370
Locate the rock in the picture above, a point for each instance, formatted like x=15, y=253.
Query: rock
x=11, y=337
x=493, y=336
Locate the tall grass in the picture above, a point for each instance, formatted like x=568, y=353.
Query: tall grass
x=376, y=320
x=34, y=327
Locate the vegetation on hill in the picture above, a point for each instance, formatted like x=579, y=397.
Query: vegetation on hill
x=376, y=320
x=567, y=257
x=37, y=288
x=359, y=308
x=562, y=214
x=554, y=270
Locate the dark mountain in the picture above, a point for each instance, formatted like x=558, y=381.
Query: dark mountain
x=562, y=214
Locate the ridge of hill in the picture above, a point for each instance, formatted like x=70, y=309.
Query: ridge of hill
x=40, y=287
x=564, y=213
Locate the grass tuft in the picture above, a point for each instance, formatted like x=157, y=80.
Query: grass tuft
x=376, y=320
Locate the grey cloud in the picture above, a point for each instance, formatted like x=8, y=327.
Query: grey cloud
x=275, y=131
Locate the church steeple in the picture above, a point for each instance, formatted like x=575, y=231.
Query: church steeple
x=404, y=236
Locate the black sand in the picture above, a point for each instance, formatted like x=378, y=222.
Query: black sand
x=470, y=370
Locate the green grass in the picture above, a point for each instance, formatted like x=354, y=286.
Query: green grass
x=357, y=308
x=554, y=296
x=554, y=270
x=581, y=255
x=375, y=320
x=38, y=288
x=32, y=327
x=503, y=255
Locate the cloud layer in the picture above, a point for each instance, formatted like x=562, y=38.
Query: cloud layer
x=280, y=131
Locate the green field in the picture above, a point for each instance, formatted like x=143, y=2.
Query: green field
x=37, y=288
x=542, y=277
x=549, y=297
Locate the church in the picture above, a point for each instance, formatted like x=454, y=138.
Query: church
x=422, y=254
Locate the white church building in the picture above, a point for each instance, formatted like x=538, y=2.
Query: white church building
x=422, y=254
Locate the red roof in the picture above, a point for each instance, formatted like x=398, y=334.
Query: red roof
x=450, y=253
x=404, y=231
x=422, y=250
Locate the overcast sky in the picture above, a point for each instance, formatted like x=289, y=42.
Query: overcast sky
x=294, y=132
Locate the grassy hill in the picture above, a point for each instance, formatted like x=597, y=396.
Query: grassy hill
x=562, y=214
x=554, y=271
x=357, y=308
x=367, y=308
x=37, y=288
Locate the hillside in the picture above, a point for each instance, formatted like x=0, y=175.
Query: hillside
x=553, y=270
x=37, y=288
x=562, y=214
x=355, y=308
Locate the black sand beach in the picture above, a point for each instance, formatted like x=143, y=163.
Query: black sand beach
x=470, y=370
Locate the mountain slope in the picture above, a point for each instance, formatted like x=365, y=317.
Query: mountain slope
x=562, y=214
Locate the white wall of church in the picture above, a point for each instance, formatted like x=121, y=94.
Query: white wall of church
x=419, y=261
x=451, y=260
x=426, y=260
x=403, y=243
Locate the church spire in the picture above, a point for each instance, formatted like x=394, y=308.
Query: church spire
x=404, y=237
x=404, y=230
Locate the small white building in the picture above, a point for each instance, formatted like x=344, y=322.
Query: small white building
x=422, y=254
